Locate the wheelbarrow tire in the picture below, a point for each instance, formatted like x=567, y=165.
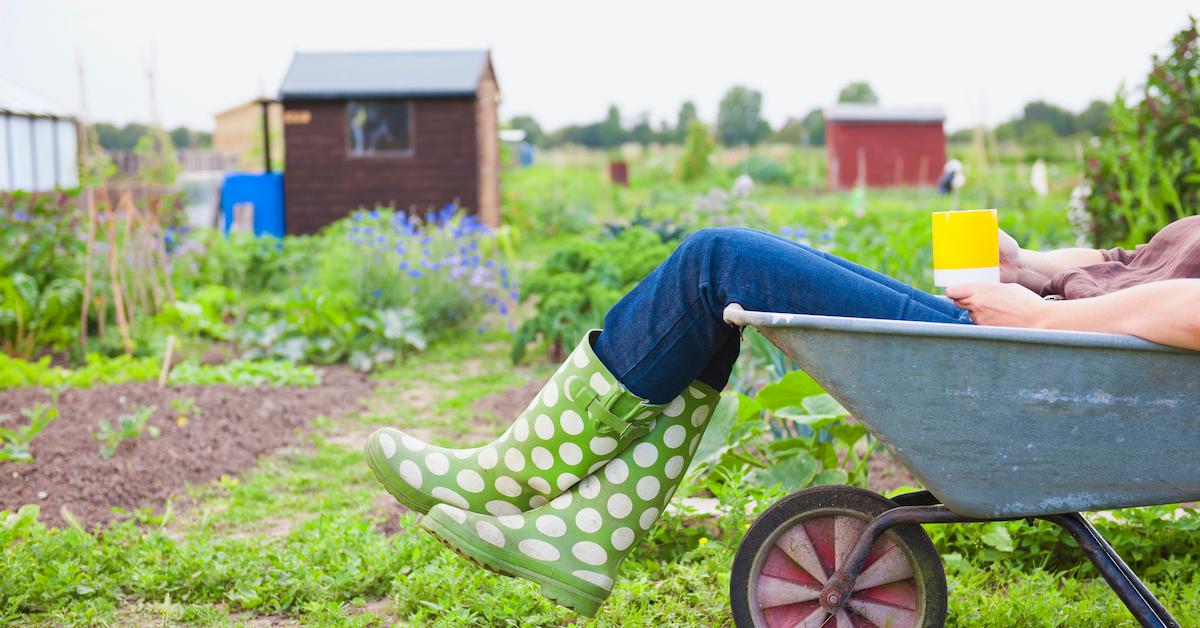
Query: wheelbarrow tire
x=818, y=509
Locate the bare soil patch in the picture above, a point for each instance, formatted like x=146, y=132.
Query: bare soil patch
x=234, y=427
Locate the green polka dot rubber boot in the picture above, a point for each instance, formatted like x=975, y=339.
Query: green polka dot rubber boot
x=581, y=419
x=573, y=545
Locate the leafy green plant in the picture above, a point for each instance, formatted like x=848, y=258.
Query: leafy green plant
x=1143, y=174
x=96, y=369
x=245, y=373
x=15, y=440
x=580, y=281
x=39, y=235
x=128, y=427
x=34, y=317
x=791, y=434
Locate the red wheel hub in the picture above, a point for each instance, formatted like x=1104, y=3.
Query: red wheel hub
x=805, y=556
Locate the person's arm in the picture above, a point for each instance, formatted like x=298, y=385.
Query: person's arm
x=1034, y=269
x=1166, y=312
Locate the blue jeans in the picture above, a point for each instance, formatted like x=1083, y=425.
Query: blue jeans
x=669, y=329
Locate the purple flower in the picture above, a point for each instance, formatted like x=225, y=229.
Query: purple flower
x=377, y=293
x=414, y=273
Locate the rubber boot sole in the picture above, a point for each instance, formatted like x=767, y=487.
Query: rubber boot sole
x=390, y=480
x=559, y=592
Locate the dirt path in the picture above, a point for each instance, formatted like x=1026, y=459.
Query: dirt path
x=234, y=426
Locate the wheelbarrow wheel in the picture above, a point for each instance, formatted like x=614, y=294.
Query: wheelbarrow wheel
x=797, y=544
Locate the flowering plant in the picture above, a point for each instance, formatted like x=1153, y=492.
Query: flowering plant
x=444, y=266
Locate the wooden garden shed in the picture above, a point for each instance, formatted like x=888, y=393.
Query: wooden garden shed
x=414, y=130
x=882, y=147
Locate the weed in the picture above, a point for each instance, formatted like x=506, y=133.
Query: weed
x=16, y=440
x=128, y=427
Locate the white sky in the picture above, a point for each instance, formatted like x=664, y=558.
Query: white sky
x=565, y=62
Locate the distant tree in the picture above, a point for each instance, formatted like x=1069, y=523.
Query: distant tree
x=533, y=131
x=112, y=137
x=739, y=118
x=1040, y=111
x=814, y=126
x=697, y=150
x=792, y=132
x=858, y=92
x=1094, y=119
x=610, y=133
x=961, y=136
x=181, y=137
x=687, y=113
x=642, y=132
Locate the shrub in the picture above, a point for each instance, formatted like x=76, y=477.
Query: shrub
x=580, y=281
x=697, y=151
x=1143, y=174
x=765, y=170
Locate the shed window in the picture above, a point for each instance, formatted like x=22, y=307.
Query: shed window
x=379, y=127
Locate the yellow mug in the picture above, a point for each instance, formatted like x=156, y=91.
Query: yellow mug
x=966, y=247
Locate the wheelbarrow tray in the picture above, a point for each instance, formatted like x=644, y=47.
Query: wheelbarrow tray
x=1004, y=422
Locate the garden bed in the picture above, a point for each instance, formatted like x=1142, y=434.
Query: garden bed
x=231, y=429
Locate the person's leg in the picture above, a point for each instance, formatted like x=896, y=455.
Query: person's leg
x=669, y=330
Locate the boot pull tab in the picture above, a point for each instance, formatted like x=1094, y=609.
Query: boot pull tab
x=599, y=407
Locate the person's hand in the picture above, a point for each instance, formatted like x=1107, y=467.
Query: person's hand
x=1000, y=304
x=1010, y=258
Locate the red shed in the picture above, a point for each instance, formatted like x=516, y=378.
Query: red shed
x=884, y=146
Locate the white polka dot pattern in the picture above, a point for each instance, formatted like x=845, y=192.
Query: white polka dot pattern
x=620, y=505
x=644, y=454
x=602, y=445
x=437, y=463
x=648, y=518
x=508, y=486
x=499, y=507
x=571, y=422
x=488, y=458
x=387, y=445
x=599, y=384
x=550, y=394
x=590, y=553
x=622, y=538
x=674, y=436
x=538, y=549
x=489, y=533
x=542, y=458
x=598, y=579
x=566, y=481
x=674, y=467
x=616, y=471
x=470, y=481
x=520, y=430
x=449, y=496
x=570, y=453
x=544, y=427
x=647, y=488
x=551, y=526
x=540, y=485
x=588, y=520
x=514, y=460
x=411, y=473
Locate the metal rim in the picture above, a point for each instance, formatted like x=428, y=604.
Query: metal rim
x=779, y=572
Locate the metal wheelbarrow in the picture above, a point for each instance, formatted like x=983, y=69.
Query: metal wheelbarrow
x=998, y=424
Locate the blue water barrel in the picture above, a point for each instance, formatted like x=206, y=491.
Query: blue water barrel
x=253, y=201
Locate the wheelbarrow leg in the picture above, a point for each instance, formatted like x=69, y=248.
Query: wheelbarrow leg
x=1133, y=593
